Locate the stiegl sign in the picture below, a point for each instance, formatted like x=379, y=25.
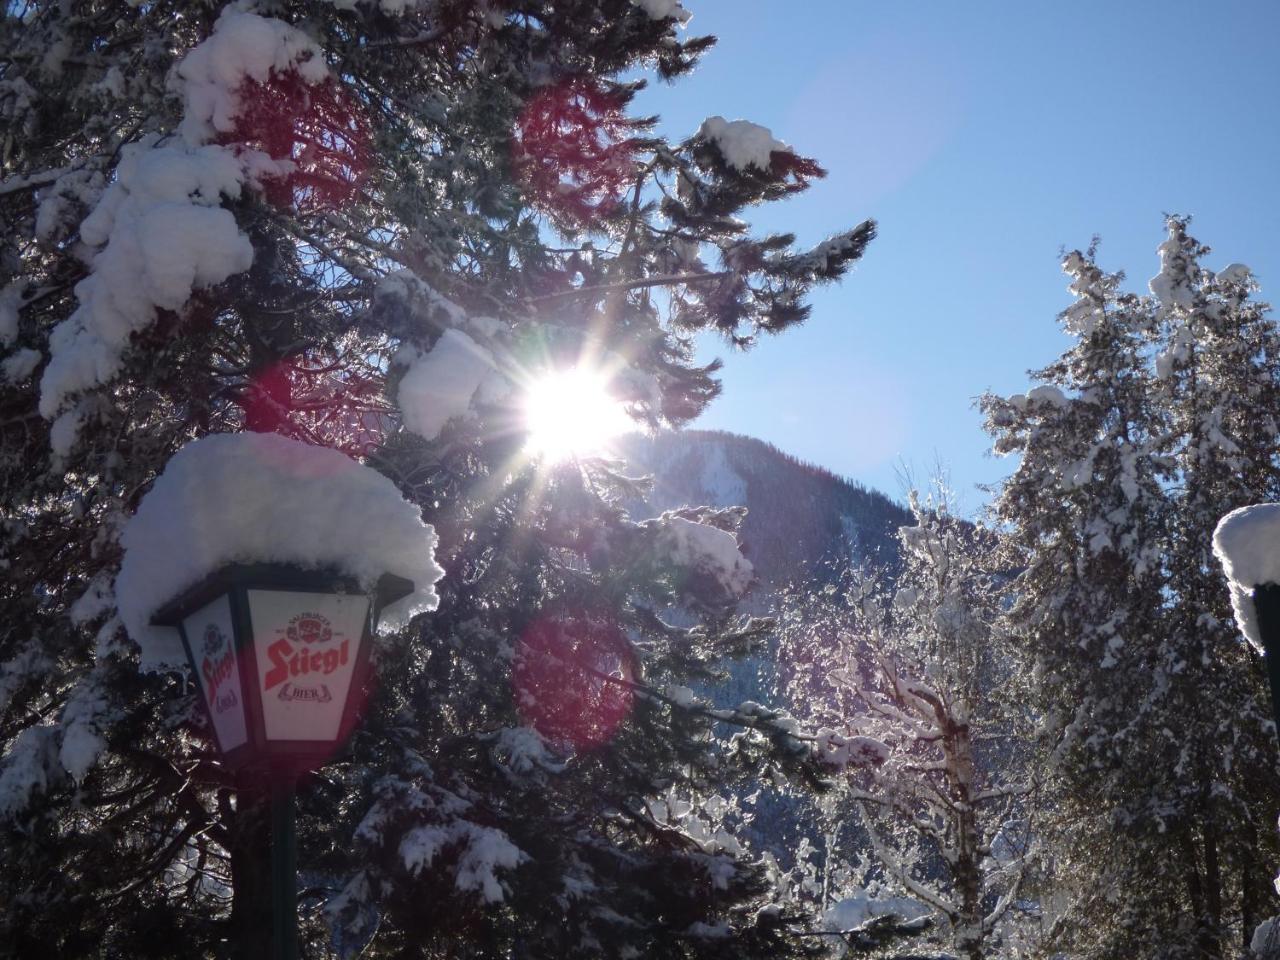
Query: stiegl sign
x=290, y=658
x=217, y=669
x=280, y=655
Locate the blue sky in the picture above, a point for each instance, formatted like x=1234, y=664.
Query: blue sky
x=984, y=137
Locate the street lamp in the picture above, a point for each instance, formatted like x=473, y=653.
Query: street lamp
x=281, y=655
x=1247, y=542
x=1266, y=604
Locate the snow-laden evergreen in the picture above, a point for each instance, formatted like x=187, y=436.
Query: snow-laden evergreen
x=268, y=218
x=1157, y=734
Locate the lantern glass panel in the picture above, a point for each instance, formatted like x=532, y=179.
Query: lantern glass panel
x=306, y=647
x=211, y=640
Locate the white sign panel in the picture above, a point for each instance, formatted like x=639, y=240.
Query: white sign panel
x=306, y=646
x=211, y=637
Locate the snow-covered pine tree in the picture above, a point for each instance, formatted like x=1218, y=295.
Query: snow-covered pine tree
x=1218, y=372
x=370, y=225
x=1086, y=508
x=1155, y=732
x=908, y=672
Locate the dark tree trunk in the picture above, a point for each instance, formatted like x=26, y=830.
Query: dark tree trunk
x=1212, y=933
x=1255, y=885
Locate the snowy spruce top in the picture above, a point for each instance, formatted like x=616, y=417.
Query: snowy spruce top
x=263, y=498
x=1247, y=541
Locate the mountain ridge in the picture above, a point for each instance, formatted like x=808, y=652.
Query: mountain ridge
x=803, y=521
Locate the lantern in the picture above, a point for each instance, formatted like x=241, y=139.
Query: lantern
x=281, y=656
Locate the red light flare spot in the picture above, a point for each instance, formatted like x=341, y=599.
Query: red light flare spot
x=317, y=126
x=267, y=399
x=335, y=404
x=572, y=152
x=571, y=678
x=319, y=754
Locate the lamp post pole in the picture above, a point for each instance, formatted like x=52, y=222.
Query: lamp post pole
x=284, y=869
x=1266, y=604
x=281, y=655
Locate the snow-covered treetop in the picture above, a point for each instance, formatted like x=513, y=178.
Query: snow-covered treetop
x=1247, y=541
x=743, y=143
x=1082, y=317
x=1174, y=286
x=262, y=498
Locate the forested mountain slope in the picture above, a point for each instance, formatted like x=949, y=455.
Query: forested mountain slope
x=801, y=518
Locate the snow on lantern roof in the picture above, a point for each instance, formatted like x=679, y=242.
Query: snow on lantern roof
x=1247, y=541
x=263, y=498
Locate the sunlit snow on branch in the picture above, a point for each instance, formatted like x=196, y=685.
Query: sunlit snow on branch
x=664, y=9
x=742, y=143
x=483, y=851
x=243, y=46
x=710, y=550
x=441, y=383
x=159, y=235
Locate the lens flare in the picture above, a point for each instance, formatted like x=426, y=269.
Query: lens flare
x=571, y=413
x=572, y=676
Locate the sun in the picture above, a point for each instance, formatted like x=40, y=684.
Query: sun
x=571, y=413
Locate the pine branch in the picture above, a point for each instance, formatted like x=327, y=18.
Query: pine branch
x=663, y=281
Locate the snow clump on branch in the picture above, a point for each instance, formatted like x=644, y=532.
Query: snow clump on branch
x=664, y=9
x=161, y=235
x=743, y=143
x=243, y=46
x=863, y=906
x=1247, y=541
x=159, y=232
x=441, y=383
x=263, y=498
x=708, y=550
x=444, y=381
